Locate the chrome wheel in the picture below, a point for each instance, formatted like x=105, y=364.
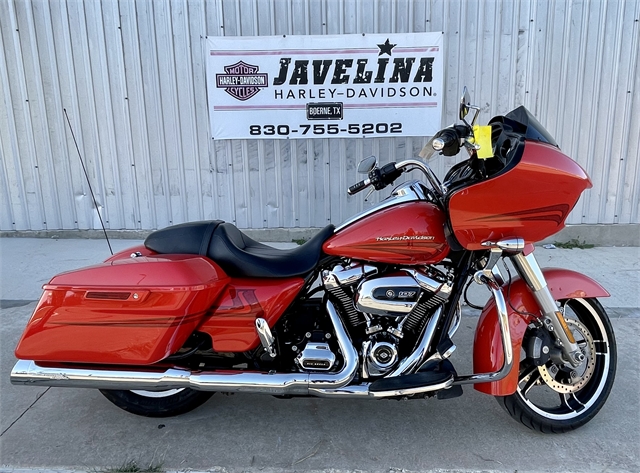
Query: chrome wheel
x=556, y=397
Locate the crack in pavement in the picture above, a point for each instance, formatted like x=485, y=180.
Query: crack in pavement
x=25, y=411
x=488, y=459
x=12, y=303
x=311, y=453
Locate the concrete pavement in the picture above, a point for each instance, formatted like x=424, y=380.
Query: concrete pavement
x=76, y=428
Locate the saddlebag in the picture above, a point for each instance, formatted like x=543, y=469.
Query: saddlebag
x=126, y=311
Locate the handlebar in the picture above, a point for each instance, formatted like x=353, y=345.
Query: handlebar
x=447, y=141
x=381, y=178
x=359, y=186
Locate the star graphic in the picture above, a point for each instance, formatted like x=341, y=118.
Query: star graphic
x=386, y=48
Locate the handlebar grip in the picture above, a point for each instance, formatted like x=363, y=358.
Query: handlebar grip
x=447, y=141
x=447, y=137
x=357, y=187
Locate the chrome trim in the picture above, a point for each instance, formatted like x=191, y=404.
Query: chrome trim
x=448, y=352
x=510, y=245
x=366, y=302
x=529, y=270
x=505, y=332
x=349, y=354
x=355, y=391
x=424, y=281
x=27, y=372
x=497, y=276
x=375, y=367
x=265, y=336
x=457, y=319
x=365, y=351
x=316, y=352
x=409, y=191
x=494, y=256
x=410, y=188
x=440, y=289
x=341, y=276
x=411, y=363
x=411, y=391
x=362, y=391
x=428, y=172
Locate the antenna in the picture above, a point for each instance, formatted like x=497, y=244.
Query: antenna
x=88, y=182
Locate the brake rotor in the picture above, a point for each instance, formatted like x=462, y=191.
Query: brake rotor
x=583, y=372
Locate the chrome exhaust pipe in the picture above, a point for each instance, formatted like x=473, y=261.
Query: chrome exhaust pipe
x=27, y=372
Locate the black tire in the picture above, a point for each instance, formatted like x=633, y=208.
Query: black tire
x=157, y=404
x=578, y=398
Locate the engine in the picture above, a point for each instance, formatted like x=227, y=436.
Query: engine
x=386, y=310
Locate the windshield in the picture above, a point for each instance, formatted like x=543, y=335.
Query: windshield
x=523, y=122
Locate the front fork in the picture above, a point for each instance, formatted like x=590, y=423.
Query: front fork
x=530, y=272
x=552, y=318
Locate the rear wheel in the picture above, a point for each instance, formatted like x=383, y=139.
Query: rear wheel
x=167, y=403
x=554, y=398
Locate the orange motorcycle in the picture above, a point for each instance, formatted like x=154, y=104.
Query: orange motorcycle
x=368, y=309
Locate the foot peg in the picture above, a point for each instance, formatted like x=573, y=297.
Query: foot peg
x=444, y=366
x=411, y=384
x=266, y=337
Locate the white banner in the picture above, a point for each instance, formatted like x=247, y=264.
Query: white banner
x=325, y=86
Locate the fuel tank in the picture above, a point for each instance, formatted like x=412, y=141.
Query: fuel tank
x=407, y=233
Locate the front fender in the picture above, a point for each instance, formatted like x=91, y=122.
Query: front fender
x=488, y=355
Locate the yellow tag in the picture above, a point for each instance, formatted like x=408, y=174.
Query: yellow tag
x=482, y=135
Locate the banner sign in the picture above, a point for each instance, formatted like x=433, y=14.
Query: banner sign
x=325, y=86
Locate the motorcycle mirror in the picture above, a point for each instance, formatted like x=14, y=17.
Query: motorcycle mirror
x=465, y=102
x=367, y=164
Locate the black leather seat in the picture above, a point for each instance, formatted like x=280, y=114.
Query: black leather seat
x=236, y=253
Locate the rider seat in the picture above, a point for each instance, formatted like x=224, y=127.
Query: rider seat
x=236, y=253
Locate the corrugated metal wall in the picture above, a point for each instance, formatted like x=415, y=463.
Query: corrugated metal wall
x=131, y=76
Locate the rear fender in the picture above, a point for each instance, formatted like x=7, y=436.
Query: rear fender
x=488, y=355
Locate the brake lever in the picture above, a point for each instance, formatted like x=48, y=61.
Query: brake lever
x=470, y=146
x=369, y=194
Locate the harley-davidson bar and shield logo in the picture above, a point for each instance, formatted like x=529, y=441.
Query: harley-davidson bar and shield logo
x=241, y=80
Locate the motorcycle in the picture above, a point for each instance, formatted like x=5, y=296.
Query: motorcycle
x=365, y=310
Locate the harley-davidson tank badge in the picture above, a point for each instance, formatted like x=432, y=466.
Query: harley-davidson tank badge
x=406, y=238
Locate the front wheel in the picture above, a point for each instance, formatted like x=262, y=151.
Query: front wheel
x=554, y=398
x=157, y=403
